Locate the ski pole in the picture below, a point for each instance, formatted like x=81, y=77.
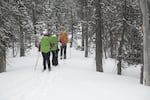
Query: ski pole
x=70, y=51
x=37, y=61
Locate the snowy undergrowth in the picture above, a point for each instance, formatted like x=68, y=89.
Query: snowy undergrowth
x=73, y=79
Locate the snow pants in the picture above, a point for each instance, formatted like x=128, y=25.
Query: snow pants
x=55, y=57
x=63, y=51
x=46, y=59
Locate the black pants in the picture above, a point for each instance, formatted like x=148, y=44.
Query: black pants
x=46, y=59
x=55, y=57
x=63, y=51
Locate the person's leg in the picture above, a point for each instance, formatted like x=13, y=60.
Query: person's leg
x=44, y=61
x=61, y=51
x=65, y=50
x=56, y=57
x=53, y=56
x=48, y=60
x=54, y=52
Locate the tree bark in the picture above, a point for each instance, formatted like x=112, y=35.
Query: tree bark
x=82, y=42
x=71, y=28
x=86, y=27
x=99, y=23
x=141, y=76
x=120, y=57
x=86, y=42
x=34, y=22
x=83, y=25
x=111, y=45
x=22, y=48
x=2, y=60
x=146, y=29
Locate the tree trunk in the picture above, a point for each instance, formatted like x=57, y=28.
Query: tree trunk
x=99, y=23
x=82, y=44
x=86, y=42
x=111, y=44
x=71, y=28
x=141, y=76
x=146, y=29
x=13, y=47
x=86, y=27
x=22, y=48
x=83, y=25
x=2, y=52
x=119, y=65
x=34, y=23
x=105, y=52
x=2, y=60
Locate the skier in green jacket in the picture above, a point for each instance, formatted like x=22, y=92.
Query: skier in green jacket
x=44, y=47
x=54, y=49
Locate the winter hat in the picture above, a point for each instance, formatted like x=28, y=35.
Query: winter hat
x=45, y=34
x=53, y=35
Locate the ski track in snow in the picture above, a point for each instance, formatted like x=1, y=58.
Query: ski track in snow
x=73, y=79
x=36, y=83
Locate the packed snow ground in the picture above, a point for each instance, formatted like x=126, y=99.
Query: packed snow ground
x=74, y=79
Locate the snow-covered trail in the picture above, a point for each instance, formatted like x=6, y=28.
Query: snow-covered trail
x=74, y=79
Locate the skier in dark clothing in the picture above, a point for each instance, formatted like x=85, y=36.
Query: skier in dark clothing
x=44, y=47
x=46, y=58
x=54, y=49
